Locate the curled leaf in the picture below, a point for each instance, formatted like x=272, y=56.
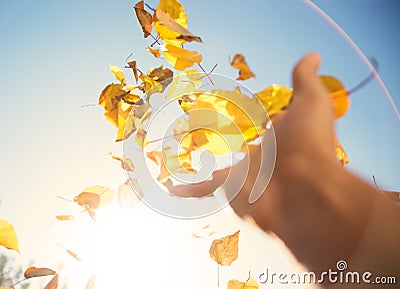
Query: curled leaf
x=118, y=73
x=341, y=154
x=225, y=250
x=126, y=163
x=38, y=272
x=156, y=52
x=132, y=65
x=8, y=238
x=145, y=19
x=240, y=63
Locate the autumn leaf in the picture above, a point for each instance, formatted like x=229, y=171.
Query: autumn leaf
x=141, y=138
x=73, y=255
x=91, y=282
x=338, y=93
x=8, y=238
x=94, y=197
x=129, y=193
x=145, y=19
x=156, y=52
x=275, y=98
x=181, y=58
x=53, y=284
x=225, y=250
x=126, y=163
x=240, y=63
x=341, y=154
x=249, y=284
x=38, y=272
x=132, y=65
x=171, y=163
x=172, y=25
x=118, y=73
x=65, y=218
x=176, y=12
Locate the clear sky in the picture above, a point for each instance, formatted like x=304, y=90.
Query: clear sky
x=55, y=57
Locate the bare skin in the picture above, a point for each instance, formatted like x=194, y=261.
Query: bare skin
x=321, y=211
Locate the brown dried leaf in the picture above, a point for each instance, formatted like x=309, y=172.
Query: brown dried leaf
x=53, y=284
x=145, y=19
x=240, y=63
x=38, y=272
x=224, y=251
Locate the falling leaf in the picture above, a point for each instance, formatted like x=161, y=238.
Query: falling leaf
x=338, y=93
x=240, y=63
x=341, y=154
x=225, y=250
x=171, y=163
x=132, y=65
x=130, y=95
x=249, y=284
x=117, y=112
x=172, y=25
x=275, y=98
x=38, y=272
x=53, y=284
x=74, y=255
x=145, y=19
x=129, y=193
x=94, y=197
x=181, y=58
x=119, y=75
x=149, y=85
x=155, y=156
x=126, y=163
x=141, y=138
x=65, y=218
x=8, y=238
x=156, y=52
x=91, y=282
x=88, y=200
x=176, y=12
x=161, y=75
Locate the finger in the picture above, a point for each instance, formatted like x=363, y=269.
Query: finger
x=202, y=189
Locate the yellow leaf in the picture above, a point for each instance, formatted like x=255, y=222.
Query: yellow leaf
x=341, y=154
x=109, y=100
x=141, y=138
x=240, y=63
x=172, y=25
x=275, y=98
x=53, y=284
x=176, y=12
x=145, y=19
x=126, y=163
x=126, y=124
x=224, y=251
x=65, y=218
x=161, y=75
x=338, y=93
x=184, y=84
x=149, y=85
x=180, y=163
x=181, y=58
x=156, y=52
x=249, y=284
x=38, y=272
x=119, y=75
x=8, y=238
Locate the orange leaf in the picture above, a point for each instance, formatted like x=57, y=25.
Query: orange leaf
x=341, y=154
x=132, y=65
x=65, y=218
x=145, y=19
x=338, y=93
x=249, y=284
x=126, y=163
x=156, y=52
x=8, y=238
x=53, y=284
x=240, y=63
x=181, y=58
x=37, y=272
x=224, y=251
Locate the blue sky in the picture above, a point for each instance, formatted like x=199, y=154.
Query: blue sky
x=55, y=57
